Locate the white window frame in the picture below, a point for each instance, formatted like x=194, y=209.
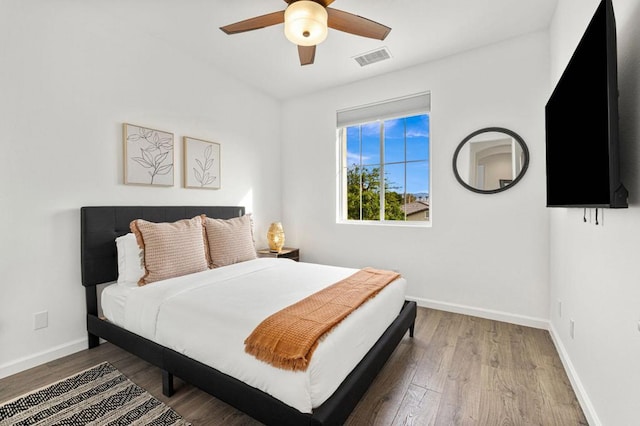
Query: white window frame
x=407, y=106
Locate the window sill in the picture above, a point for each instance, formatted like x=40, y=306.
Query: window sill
x=390, y=223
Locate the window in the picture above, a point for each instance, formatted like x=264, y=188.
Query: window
x=384, y=161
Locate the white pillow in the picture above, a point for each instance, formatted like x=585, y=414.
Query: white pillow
x=130, y=258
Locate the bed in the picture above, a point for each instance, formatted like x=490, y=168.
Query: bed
x=100, y=226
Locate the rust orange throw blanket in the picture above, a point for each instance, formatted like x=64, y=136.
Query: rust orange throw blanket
x=288, y=338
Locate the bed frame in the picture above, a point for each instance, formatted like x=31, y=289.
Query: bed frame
x=99, y=228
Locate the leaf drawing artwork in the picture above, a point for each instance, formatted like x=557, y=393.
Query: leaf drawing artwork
x=202, y=173
x=148, y=156
x=202, y=164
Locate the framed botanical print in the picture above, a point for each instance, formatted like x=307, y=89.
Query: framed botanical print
x=148, y=156
x=201, y=164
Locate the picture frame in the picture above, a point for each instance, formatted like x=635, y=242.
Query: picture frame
x=201, y=163
x=148, y=156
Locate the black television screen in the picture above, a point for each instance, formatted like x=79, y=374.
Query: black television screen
x=581, y=120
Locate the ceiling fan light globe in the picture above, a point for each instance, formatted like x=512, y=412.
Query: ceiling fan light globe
x=305, y=23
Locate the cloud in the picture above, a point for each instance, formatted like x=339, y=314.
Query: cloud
x=355, y=158
x=417, y=133
x=370, y=129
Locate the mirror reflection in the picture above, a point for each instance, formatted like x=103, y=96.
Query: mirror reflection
x=490, y=160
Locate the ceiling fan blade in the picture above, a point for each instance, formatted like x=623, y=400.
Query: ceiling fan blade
x=354, y=24
x=255, y=23
x=307, y=54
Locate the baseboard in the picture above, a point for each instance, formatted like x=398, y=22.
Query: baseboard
x=483, y=313
x=39, y=358
x=581, y=394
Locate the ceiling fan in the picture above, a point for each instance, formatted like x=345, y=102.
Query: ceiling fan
x=306, y=24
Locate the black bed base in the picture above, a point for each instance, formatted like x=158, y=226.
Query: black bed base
x=258, y=404
x=100, y=227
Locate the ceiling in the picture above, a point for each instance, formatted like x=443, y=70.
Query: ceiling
x=422, y=31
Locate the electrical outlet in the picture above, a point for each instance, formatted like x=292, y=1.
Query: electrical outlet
x=560, y=308
x=572, y=328
x=40, y=320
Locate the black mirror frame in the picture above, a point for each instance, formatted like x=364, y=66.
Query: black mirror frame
x=517, y=179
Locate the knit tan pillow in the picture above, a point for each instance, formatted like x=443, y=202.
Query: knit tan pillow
x=230, y=241
x=170, y=249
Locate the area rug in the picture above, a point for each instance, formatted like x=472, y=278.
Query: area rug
x=99, y=396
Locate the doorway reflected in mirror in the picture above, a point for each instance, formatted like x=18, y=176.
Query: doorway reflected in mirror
x=490, y=160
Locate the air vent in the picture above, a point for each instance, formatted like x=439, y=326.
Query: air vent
x=374, y=56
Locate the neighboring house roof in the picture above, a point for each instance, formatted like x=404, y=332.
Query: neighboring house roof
x=415, y=207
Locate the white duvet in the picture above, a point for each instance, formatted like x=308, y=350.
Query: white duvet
x=208, y=315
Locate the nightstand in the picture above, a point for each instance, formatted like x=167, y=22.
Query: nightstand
x=286, y=253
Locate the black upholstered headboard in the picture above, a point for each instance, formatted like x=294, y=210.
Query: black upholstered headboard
x=100, y=226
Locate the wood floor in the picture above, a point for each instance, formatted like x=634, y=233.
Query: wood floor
x=457, y=370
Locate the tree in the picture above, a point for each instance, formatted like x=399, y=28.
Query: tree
x=363, y=191
x=366, y=183
x=393, y=206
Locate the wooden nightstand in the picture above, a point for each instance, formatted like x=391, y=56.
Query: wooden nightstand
x=286, y=253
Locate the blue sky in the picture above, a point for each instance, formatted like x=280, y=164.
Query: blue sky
x=366, y=145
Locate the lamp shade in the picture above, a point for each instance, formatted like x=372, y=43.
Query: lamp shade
x=275, y=237
x=305, y=23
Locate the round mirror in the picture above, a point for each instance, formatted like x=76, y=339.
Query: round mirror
x=490, y=160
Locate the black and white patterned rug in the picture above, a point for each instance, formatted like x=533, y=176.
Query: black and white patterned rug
x=100, y=395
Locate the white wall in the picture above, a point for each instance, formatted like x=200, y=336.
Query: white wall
x=594, y=269
x=70, y=75
x=485, y=254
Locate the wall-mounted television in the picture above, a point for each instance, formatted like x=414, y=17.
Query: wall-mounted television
x=581, y=121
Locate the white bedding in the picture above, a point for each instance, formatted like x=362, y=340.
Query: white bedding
x=207, y=316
